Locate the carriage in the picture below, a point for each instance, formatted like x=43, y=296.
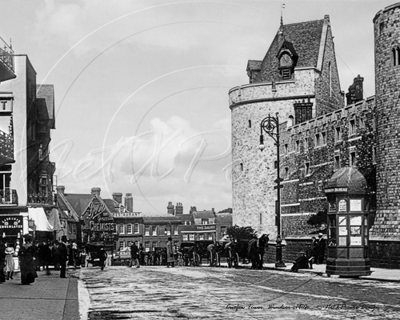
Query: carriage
x=188, y=254
x=93, y=252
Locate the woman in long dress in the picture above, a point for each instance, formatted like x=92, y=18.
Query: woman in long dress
x=2, y=260
x=170, y=253
x=10, y=261
x=26, y=261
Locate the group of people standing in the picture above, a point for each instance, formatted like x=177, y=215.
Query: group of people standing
x=316, y=252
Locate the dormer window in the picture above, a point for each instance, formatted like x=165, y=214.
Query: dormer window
x=287, y=59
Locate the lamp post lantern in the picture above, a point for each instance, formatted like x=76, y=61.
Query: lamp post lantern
x=270, y=125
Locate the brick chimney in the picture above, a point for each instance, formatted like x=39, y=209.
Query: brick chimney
x=117, y=196
x=129, y=202
x=96, y=191
x=60, y=189
x=170, y=208
x=179, y=209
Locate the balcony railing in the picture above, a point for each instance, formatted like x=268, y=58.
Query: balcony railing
x=6, y=55
x=40, y=198
x=6, y=145
x=8, y=196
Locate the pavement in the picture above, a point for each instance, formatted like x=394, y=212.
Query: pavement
x=53, y=298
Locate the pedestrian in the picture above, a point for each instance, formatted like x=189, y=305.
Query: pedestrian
x=44, y=256
x=55, y=255
x=27, y=263
x=103, y=257
x=301, y=262
x=134, y=256
x=141, y=254
x=320, y=248
x=10, y=266
x=75, y=254
x=2, y=260
x=170, y=253
x=62, y=253
x=312, y=250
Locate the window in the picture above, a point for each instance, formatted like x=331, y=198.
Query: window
x=74, y=228
x=317, y=140
x=191, y=236
x=286, y=172
x=260, y=217
x=352, y=128
x=290, y=121
x=374, y=155
x=136, y=228
x=176, y=231
x=352, y=157
x=223, y=231
x=249, y=123
x=210, y=237
x=337, y=161
x=188, y=223
x=121, y=245
x=330, y=79
x=323, y=137
x=285, y=148
x=147, y=230
x=185, y=237
x=307, y=168
x=297, y=145
x=147, y=246
x=305, y=143
x=204, y=221
x=120, y=228
x=201, y=236
x=361, y=123
x=338, y=134
x=168, y=231
x=128, y=228
x=241, y=167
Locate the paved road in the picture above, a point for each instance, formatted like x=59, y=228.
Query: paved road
x=221, y=293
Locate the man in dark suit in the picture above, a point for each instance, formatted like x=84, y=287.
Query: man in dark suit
x=63, y=257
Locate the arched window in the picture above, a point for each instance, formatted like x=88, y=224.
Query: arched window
x=241, y=167
x=249, y=123
x=394, y=56
x=290, y=122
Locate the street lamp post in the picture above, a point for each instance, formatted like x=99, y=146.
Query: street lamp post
x=268, y=125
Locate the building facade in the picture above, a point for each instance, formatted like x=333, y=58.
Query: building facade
x=320, y=133
x=26, y=172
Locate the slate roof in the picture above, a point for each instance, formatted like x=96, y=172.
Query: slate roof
x=78, y=201
x=46, y=92
x=306, y=39
x=204, y=214
x=348, y=177
x=161, y=219
x=224, y=219
x=254, y=64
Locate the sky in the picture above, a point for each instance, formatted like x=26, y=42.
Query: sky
x=141, y=86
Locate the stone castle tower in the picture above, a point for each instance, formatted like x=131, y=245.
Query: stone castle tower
x=387, y=77
x=298, y=78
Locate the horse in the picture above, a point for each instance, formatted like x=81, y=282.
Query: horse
x=255, y=249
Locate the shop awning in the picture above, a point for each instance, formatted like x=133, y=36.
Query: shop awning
x=40, y=219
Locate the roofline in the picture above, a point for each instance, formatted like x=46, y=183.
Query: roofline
x=322, y=44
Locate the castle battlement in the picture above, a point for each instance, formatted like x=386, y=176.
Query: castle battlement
x=355, y=109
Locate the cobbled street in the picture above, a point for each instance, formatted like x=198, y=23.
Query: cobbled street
x=158, y=292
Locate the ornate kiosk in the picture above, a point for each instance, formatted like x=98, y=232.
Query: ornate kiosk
x=347, y=251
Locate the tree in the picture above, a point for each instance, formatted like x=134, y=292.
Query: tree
x=228, y=210
x=241, y=233
x=318, y=220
